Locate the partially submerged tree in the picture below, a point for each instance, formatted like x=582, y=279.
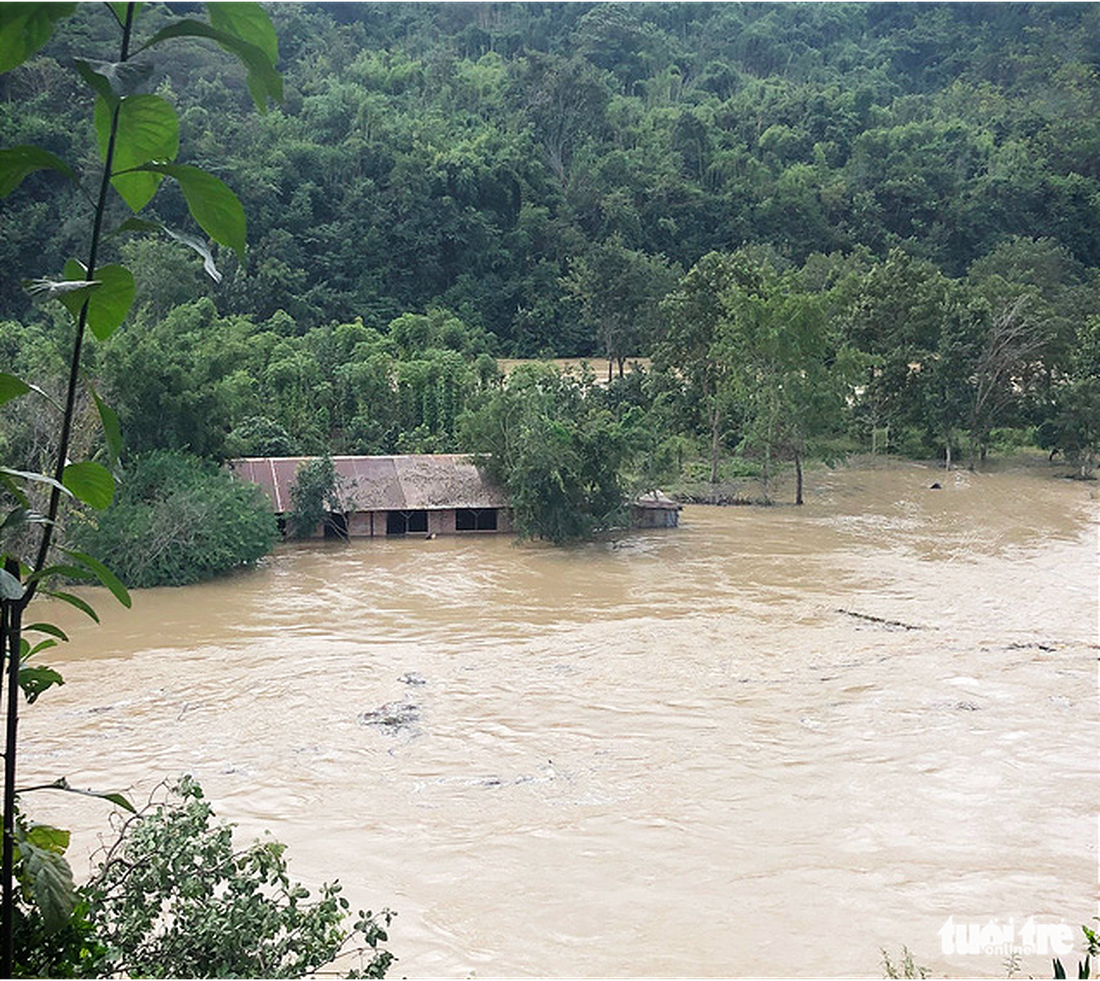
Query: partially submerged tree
x=750, y=346
x=176, y=520
x=559, y=455
x=1007, y=347
x=790, y=375
x=1073, y=426
x=318, y=492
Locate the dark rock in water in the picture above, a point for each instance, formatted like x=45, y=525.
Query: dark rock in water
x=413, y=678
x=966, y=707
x=936, y=486
x=392, y=718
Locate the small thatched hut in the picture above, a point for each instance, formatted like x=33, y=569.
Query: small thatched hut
x=655, y=510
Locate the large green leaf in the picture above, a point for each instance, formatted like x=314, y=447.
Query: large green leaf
x=263, y=81
x=48, y=838
x=19, y=161
x=13, y=488
x=51, y=880
x=15, y=520
x=212, y=204
x=109, y=304
x=103, y=574
x=69, y=571
x=90, y=483
x=42, y=645
x=35, y=679
x=63, y=784
x=184, y=238
x=147, y=130
x=96, y=80
x=11, y=387
x=25, y=27
x=249, y=22
x=112, y=431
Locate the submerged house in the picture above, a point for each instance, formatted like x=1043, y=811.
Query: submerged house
x=427, y=494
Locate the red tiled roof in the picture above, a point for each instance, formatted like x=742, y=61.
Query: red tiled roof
x=423, y=482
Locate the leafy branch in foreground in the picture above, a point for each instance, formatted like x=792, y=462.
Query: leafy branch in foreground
x=138, y=139
x=173, y=897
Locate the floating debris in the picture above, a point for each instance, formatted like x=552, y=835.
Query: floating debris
x=880, y=620
x=413, y=678
x=392, y=718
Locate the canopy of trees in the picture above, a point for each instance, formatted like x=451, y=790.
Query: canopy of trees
x=820, y=221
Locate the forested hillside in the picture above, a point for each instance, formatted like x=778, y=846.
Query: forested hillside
x=445, y=182
x=462, y=155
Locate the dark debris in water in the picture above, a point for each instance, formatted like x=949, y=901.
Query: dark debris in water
x=880, y=620
x=392, y=718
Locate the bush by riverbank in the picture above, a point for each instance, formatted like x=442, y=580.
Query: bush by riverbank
x=178, y=520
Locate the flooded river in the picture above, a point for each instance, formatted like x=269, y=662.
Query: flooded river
x=769, y=742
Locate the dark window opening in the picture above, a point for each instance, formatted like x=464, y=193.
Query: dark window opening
x=406, y=522
x=476, y=519
x=336, y=526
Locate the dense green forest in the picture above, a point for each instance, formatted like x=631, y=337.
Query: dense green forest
x=821, y=222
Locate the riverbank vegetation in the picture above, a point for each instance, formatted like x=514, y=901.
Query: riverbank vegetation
x=172, y=896
x=178, y=519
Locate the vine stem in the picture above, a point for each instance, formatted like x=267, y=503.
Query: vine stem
x=11, y=621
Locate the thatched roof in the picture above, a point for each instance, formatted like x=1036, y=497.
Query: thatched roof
x=657, y=500
x=422, y=482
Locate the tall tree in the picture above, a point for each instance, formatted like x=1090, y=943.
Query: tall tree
x=619, y=290
x=790, y=374
x=693, y=345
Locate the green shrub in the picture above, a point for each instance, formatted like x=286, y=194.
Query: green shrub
x=174, y=898
x=176, y=520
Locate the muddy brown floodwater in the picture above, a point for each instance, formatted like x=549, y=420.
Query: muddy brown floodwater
x=669, y=754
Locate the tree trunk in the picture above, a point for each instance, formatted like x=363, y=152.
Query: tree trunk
x=610, y=366
x=798, y=477
x=947, y=453
x=715, y=446
x=10, y=632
